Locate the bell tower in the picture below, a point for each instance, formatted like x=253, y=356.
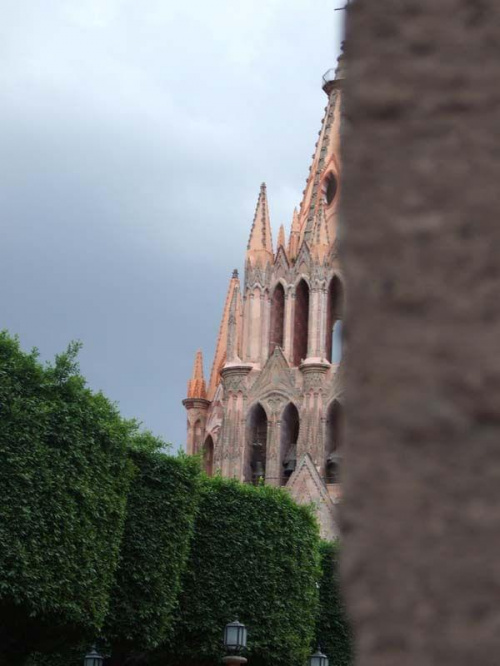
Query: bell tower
x=273, y=408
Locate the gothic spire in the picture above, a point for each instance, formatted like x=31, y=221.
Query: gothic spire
x=222, y=351
x=324, y=174
x=260, y=243
x=232, y=329
x=196, y=385
x=293, y=241
x=281, y=239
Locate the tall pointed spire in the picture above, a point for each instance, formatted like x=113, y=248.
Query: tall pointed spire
x=260, y=243
x=324, y=173
x=281, y=239
x=232, y=329
x=221, y=351
x=293, y=243
x=196, y=385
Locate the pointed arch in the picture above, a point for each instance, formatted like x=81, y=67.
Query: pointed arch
x=290, y=427
x=277, y=327
x=335, y=313
x=208, y=456
x=256, y=444
x=333, y=442
x=301, y=323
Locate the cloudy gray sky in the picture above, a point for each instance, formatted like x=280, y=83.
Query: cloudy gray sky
x=134, y=138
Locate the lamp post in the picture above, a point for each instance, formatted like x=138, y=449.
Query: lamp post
x=93, y=658
x=318, y=658
x=235, y=640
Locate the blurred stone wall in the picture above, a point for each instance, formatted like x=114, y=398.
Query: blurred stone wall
x=421, y=252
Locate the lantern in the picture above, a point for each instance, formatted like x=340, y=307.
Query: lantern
x=93, y=658
x=235, y=636
x=318, y=658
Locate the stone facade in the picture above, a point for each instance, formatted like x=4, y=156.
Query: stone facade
x=273, y=406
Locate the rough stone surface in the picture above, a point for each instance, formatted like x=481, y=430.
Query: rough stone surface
x=421, y=245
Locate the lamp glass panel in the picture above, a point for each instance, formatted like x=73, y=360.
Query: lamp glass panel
x=231, y=636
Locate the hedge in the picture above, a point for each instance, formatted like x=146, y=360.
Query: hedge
x=64, y=478
x=254, y=556
x=334, y=633
x=160, y=517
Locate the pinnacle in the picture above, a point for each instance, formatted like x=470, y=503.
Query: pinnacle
x=232, y=306
x=196, y=385
x=281, y=238
x=198, y=365
x=260, y=245
x=293, y=241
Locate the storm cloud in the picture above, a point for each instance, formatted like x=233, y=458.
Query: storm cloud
x=134, y=138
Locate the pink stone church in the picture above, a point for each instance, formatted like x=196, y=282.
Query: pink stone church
x=273, y=406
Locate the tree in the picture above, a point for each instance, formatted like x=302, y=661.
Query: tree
x=333, y=632
x=64, y=477
x=254, y=556
x=155, y=547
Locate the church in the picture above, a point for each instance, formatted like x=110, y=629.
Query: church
x=272, y=410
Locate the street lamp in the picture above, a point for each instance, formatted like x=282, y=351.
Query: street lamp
x=318, y=658
x=235, y=637
x=93, y=658
x=235, y=640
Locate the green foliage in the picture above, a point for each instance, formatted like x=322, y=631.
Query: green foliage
x=64, y=477
x=147, y=442
x=160, y=518
x=333, y=631
x=71, y=656
x=254, y=556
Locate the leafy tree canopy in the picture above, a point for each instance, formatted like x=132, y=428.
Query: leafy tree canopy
x=64, y=478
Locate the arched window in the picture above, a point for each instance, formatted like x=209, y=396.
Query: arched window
x=330, y=189
x=333, y=445
x=290, y=425
x=208, y=456
x=301, y=323
x=335, y=312
x=256, y=445
x=197, y=436
x=277, y=318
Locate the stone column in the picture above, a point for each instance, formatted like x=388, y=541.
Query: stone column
x=312, y=321
x=246, y=327
x=233, y=377
x=265, y=308
x=420, y=247
x=322, y=332
x=273, y=452
x=289, y=313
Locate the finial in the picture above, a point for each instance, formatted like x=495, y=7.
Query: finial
x=235, y=273
x=263, y=186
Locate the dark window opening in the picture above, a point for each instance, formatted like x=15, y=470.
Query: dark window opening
x=333, y=448
x=290, y=426
x=331, y=189
x=277, y=319
x=208, y=456
x=335, y=311
x=301, y=323
x=255, y=467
